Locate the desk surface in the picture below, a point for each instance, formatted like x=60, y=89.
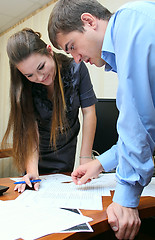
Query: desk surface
x=99, y=223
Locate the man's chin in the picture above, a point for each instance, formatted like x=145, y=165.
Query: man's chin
x=100, y=63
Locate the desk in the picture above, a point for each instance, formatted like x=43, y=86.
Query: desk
x=99, y=223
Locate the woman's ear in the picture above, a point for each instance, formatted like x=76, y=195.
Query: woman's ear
x=88, y=20
x=49, y=48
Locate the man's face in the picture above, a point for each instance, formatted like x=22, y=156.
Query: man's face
x=83, y=46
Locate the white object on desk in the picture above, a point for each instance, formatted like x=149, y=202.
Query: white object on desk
x=69, y=195
x=31, y=222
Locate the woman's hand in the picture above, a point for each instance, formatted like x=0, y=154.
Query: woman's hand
x=21, y=187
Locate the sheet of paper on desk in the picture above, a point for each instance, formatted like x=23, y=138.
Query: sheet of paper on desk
x=31, y=222
x=51, y=177
x=62, y=200
x=84, y=227
x=69, y=195
x=149, y=190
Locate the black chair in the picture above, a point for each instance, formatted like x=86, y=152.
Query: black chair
x=106, y=134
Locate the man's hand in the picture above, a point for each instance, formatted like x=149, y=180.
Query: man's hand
x=85, y=172
x=125, y=222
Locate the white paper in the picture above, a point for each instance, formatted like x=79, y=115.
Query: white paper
x=51, y=177
x=149, y=190
x=54, y=191
x=84, y=227
x=64, y=199
x=31, y=222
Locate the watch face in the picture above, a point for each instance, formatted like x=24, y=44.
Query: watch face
x=3, y=189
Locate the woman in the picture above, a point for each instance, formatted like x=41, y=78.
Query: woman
x=47, y=90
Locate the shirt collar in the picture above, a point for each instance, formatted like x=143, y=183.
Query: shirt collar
x=108, y=54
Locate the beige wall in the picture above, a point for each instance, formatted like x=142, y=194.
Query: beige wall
x=105, y=84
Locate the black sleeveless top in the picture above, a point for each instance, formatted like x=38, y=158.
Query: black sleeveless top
x=78, y=92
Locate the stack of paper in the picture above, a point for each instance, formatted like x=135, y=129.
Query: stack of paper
x=59, y=191
x=30, y=222
x=37, y=213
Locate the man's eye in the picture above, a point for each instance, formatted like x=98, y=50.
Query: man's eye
x=42, y=66
x=72, y=47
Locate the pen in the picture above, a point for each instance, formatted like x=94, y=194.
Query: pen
x=32, y=181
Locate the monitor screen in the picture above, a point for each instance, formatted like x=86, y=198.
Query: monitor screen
x=106, y=134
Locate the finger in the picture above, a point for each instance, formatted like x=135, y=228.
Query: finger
x=36, y=186
x=138, y=226
x=112, y=219
x=129, y=224
x=133, y=228
x=17, y=187
x=27, y=180
x=122, y=228
x=76, y=175
x=137, y=222
x=120, y=234
x=74, y=178
x=89, y=180
x=84, y=180
x=22, y=189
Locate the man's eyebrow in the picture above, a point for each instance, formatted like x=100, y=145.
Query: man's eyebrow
x=67, y=44
x=66, y=47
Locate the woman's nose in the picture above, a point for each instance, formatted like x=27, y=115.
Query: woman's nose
x=40, y=77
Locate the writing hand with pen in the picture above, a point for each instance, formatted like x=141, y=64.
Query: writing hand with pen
x=29, y=180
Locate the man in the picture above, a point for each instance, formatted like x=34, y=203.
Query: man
x=123, y=42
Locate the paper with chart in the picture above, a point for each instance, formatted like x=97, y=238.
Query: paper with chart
x=30, y=222
x=55, y=191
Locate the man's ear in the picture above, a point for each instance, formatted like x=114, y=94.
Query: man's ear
x=89, y=20
x=49, y=48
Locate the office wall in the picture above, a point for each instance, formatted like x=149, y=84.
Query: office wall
x=105, y=84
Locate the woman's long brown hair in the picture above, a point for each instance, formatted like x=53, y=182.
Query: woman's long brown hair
x=22, y=123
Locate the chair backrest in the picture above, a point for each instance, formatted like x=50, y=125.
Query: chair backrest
x=106, y=134
x=5, y=153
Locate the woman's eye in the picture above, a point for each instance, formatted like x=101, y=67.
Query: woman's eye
x=42, y=66
x=29, y=76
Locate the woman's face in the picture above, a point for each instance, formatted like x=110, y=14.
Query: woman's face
x=38, y=68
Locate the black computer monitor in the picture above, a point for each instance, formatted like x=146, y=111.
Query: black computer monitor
x=106, y=134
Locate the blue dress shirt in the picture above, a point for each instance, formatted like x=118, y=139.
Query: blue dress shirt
x=129, y=50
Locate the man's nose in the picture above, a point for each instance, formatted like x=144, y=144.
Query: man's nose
x=77, y=58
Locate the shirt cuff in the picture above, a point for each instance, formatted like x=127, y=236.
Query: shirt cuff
x=128, y=195
x=108, y=159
